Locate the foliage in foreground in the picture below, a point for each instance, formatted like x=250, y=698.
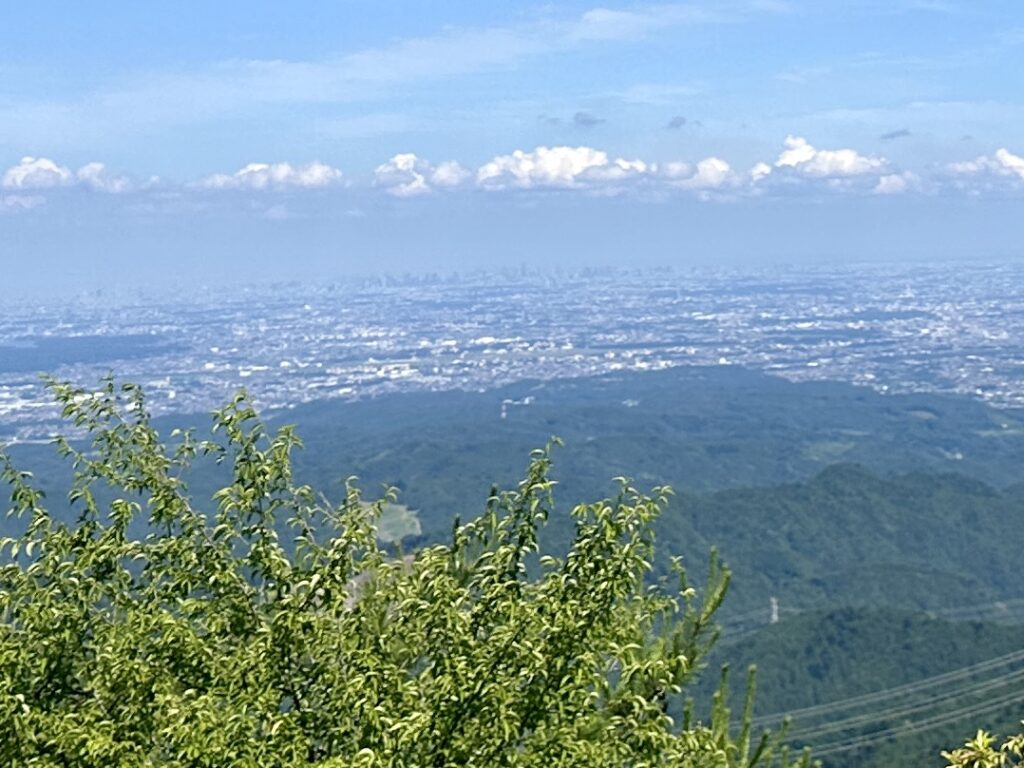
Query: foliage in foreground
x=276, y=631
x=983, y=752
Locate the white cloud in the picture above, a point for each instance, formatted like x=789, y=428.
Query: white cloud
x=801, y=166
x=760, y=171
x=95, y=176
x=894, y=183
x=406, y=175
x=1001, y=163
x=544, y=166
x=42, y=173
x=676, y=169
x=20, y=202
x=804, y=159
x=1010, y=162
x=36, y=173
x=449, y=174
x=619, y=170
x=261, y=176
x=710, y=173
x=565, y=167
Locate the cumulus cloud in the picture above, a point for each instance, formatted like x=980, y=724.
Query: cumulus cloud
x=799, y=168
x=259, y=176
x=449, y=174
x=802, y=158
x=803, y=168
x=565, y=167
x=406, y=175
x=676, y=123
x=618, y=169
x=709, y=173
x=894, y=183
x=1001, y=163
x=95, y=176
x=760, y=171
x=36, y=173
x=42, y=173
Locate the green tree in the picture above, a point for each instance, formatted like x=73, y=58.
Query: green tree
x=275, y=630
x=983, y=752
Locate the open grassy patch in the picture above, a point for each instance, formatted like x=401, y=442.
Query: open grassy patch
x=828, y=451
x=396, y=522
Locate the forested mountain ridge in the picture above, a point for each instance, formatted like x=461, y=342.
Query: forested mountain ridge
x=695, y=428
x=810, y=526
x=849, y=537
x=852, y=676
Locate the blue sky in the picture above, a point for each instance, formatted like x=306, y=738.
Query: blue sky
x=143, y=141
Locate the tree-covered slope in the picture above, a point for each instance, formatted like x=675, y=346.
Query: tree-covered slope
x=850, y=537
x=882, y=688
x=804, y=529
x=698, y=429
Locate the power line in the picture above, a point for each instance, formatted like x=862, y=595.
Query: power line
x=919, y=727
x=883, y=715
x=1012, y=609
x=896, y=691
x=1003, y=608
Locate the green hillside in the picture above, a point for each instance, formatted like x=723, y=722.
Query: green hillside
x=699, y=429
x=805, y=529
x=850, y=537
x=878, y=679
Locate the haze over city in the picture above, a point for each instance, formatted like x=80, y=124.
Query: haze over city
x=200, y=142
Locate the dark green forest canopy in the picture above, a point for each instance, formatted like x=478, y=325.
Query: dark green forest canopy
x=700, y=429
x=850, y=674
x=920, y=541
x=813, y=533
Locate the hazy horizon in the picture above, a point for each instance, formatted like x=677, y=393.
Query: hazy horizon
x=321, y=140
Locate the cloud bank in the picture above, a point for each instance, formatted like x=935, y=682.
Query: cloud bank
x=42, y=173
x=36, y=173
x=556, y=167
x=1001, y=164
x=800, y=168
x=406, y=175
x=802, y=158
x=260, y=176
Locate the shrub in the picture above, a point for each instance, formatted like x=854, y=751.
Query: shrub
x=275, y=630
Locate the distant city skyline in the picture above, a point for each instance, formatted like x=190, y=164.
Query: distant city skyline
x=142, y=143
x=952, y=329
